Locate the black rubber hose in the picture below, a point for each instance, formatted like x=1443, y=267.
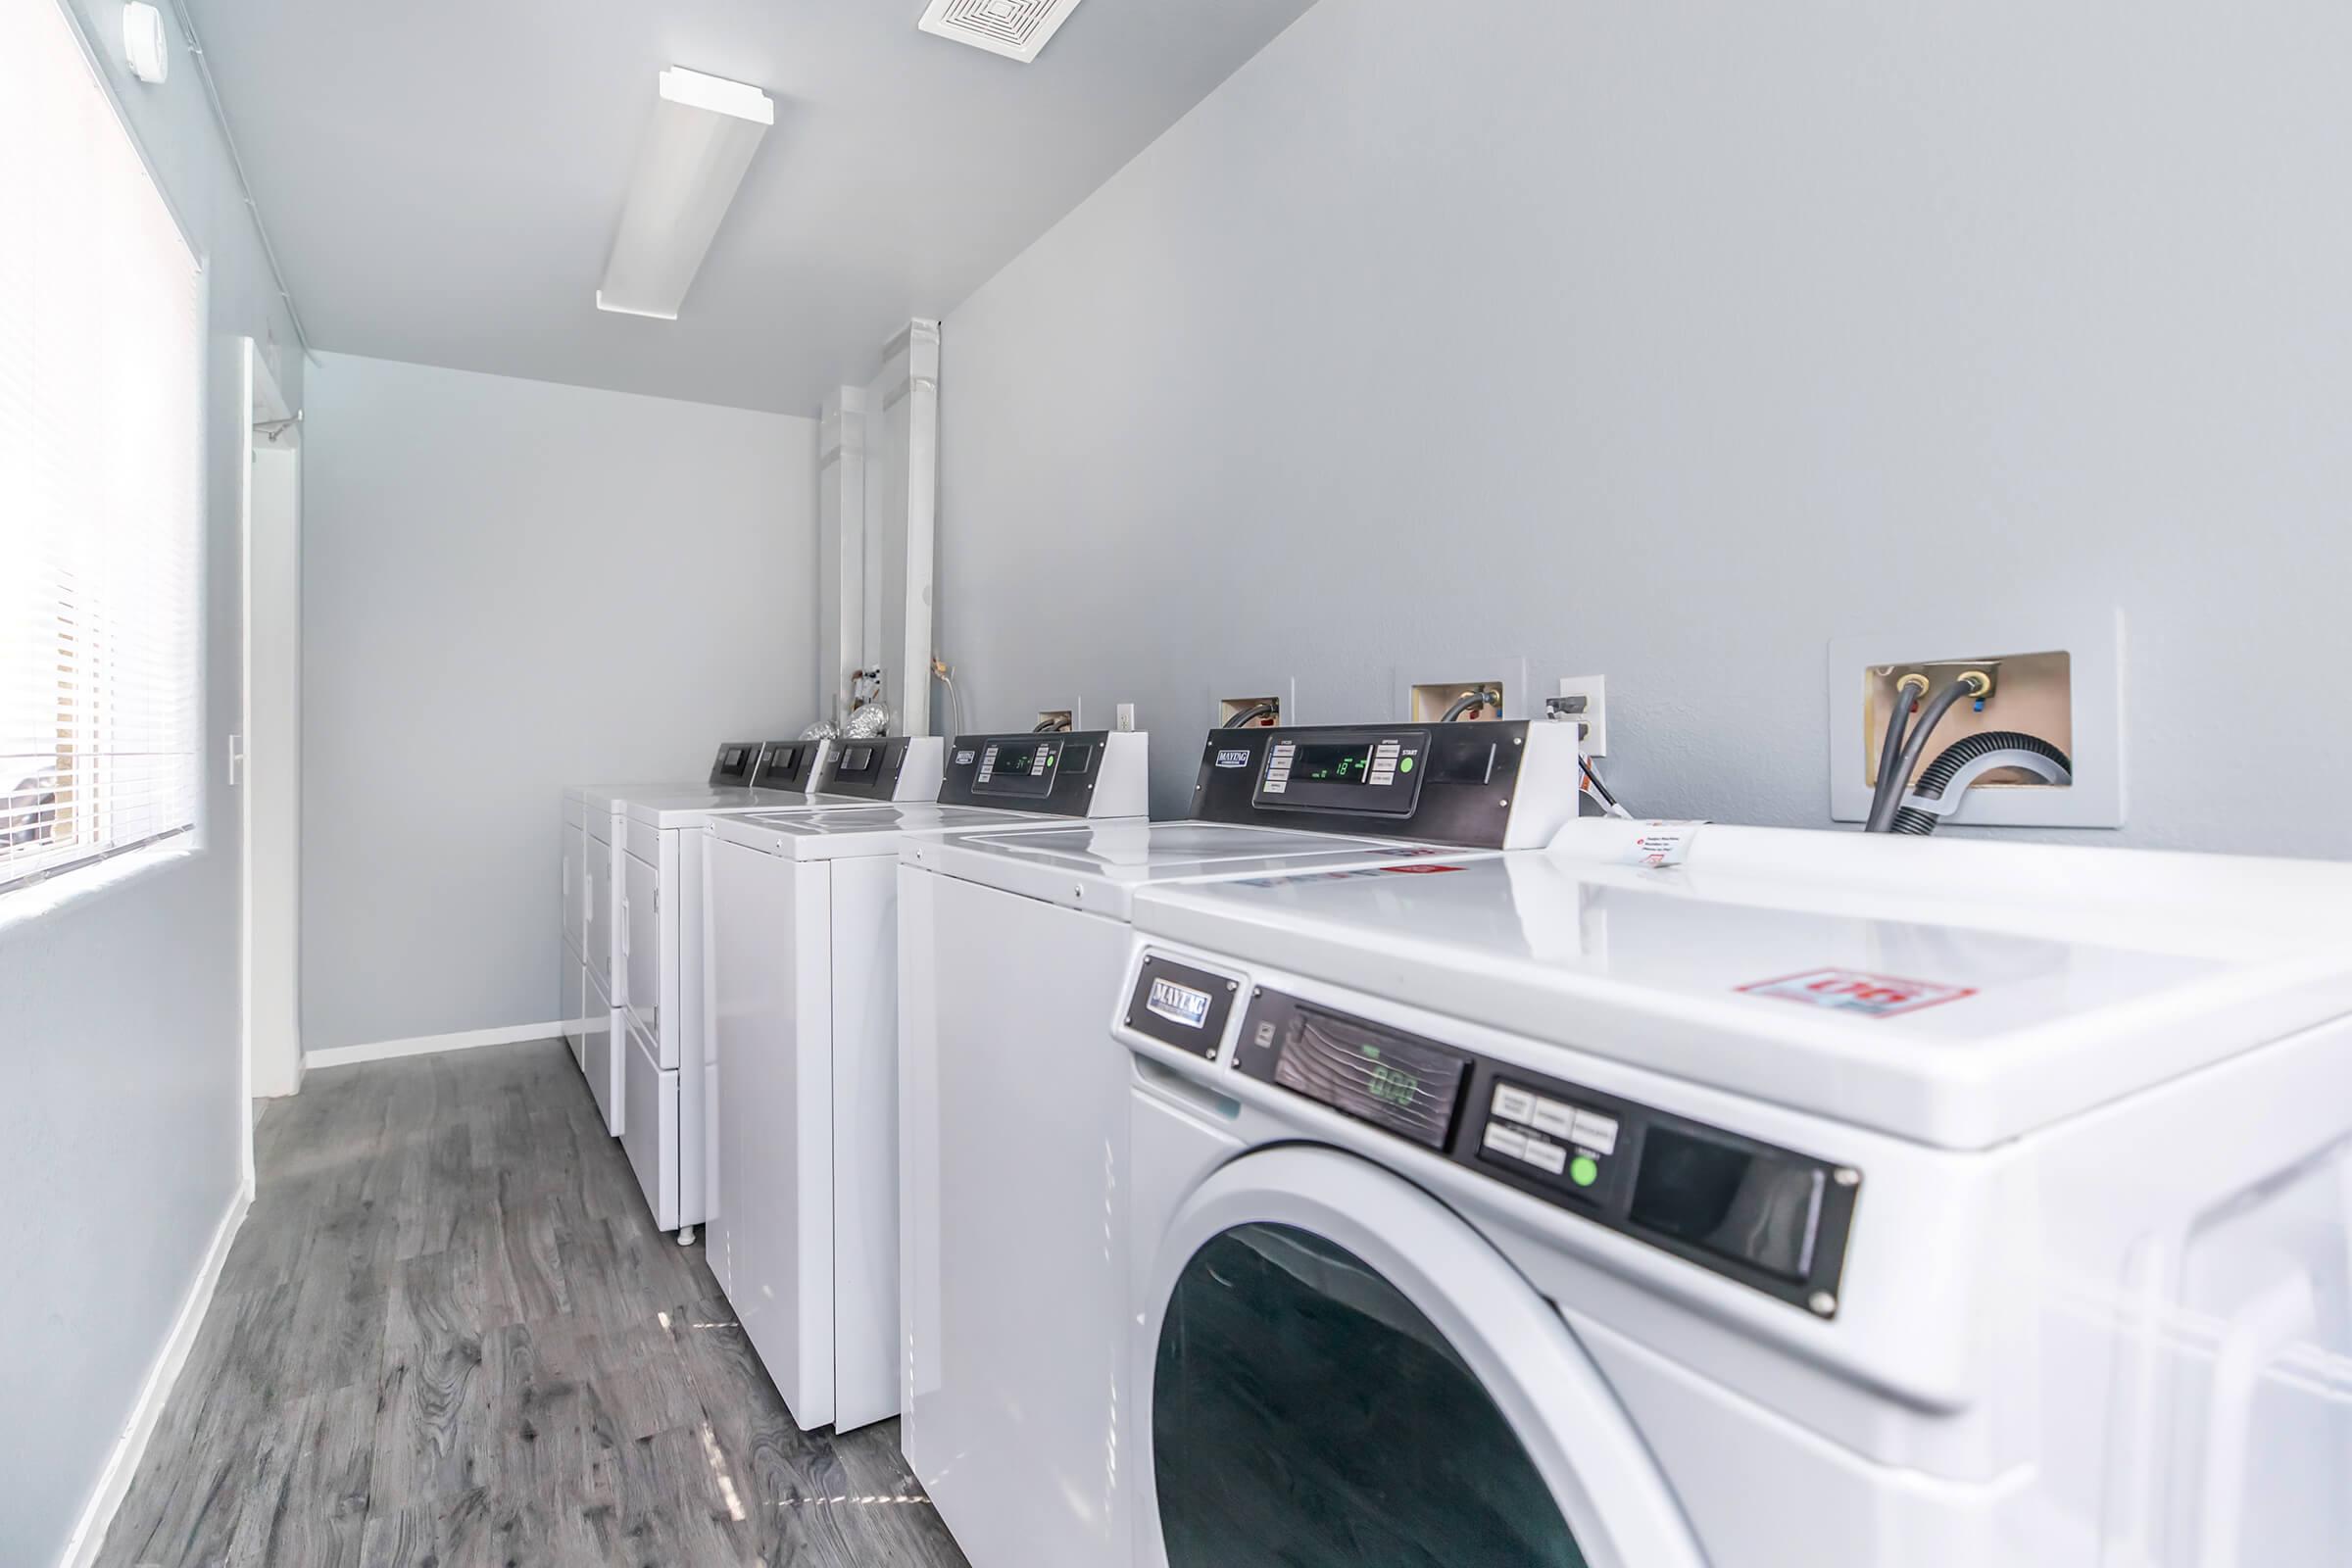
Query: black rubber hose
x=1469, y=699
x=1953, y=759
x=1253, y=714
x=1890, y=748
x=1915, y=746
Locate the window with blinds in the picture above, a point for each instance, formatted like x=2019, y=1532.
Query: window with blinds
x=101, y=471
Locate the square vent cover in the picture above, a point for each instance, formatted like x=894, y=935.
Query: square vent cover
x=1015, y=28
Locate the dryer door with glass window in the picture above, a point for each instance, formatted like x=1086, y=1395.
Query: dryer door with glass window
x=1340, y=1370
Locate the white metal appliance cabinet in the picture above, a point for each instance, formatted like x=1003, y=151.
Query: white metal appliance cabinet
x=593, y=979
x=1014, y=1153
x=802, y=996
x=666, y=1047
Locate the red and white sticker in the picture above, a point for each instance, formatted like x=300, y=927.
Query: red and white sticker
x=1417, y=870
x=1854, y=991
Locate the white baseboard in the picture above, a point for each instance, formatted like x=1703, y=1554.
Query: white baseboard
x=429, y=1044
x=90, y=1533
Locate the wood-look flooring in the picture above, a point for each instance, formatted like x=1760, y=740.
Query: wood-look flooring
x=449, y=1334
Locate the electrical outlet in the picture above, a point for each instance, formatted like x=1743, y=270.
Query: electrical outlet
x=1593, y=692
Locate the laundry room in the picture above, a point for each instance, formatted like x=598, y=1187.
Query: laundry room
x=1110, y=784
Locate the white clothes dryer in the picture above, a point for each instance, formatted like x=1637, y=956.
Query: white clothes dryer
x=664, y=1044
x=1822, y=1202
x=1014, y=1156
x=802, y=980
x=590, y=989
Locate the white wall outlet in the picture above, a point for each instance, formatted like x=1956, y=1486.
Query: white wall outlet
x=1126, y=719
x=1593, y=692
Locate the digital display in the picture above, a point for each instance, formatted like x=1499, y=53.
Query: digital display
x=1023, y=762
x=1332, y=765
x=1394, y=1081
x=735, y=758
x=857, y=760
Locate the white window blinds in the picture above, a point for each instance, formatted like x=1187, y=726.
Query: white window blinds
x=101, y=471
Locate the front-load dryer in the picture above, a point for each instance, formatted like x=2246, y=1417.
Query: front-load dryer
x=1014, y=1116
x=1822, y=1203
x=802, y=981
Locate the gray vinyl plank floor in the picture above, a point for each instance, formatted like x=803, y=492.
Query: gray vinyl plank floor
x=449, y=1334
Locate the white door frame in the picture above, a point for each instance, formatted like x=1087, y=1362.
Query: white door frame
x=269, y=758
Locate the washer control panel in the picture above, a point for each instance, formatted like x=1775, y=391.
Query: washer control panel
x=1443, y=783
x=1771, y=1218
x=1050, y=772
x=864, y=770
x=790, y=764
x=736, y=763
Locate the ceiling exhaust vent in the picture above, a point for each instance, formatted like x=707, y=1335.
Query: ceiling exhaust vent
x=1015, y=28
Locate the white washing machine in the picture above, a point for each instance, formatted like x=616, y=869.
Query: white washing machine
x=803, y=994
x=664, y=1047
x=1013, y=1115
x=589, y=993
x=1824, y=1202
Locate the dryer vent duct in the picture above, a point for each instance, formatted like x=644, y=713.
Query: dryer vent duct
x=1015, y=28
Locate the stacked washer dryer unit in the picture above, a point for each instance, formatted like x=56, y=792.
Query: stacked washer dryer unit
x=591, y=979
x=1013, y=1098
x=802, y=976
x=664, y=1046
x=1822, y=1202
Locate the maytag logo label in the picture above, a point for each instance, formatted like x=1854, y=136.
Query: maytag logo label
x=966, y=758
x=1179, y=1004
x=1233, y=758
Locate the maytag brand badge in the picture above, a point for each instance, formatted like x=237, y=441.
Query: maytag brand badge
x=1179, y=1004
x=1233, y=758
x=966, y=758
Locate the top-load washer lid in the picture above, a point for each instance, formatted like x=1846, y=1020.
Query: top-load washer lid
x=690, y=807
x=1099, y=867
x=1954, y=993
x=857, y=831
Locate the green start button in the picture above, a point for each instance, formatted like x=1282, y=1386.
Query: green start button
x=1583, y=1170
x=1405, y=765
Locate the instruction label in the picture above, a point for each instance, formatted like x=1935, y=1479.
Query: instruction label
x=1857, y=992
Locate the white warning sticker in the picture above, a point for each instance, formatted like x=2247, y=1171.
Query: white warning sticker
x=1855, y=991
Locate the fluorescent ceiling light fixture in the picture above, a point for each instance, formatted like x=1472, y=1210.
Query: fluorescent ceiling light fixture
x=703, y=132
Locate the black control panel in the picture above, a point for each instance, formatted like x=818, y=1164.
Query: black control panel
x=1768, y=1217
x=789, y=765
x=1441, y=783
x=736, y=763
x=1051, y=773
x=864, y=770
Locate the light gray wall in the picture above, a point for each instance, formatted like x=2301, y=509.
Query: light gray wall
x=509, y=587
x=121, y=1129
x=1670, y=340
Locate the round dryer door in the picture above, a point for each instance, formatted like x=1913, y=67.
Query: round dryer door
x=1343, y=1371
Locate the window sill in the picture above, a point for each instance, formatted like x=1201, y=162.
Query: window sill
x=23, y=907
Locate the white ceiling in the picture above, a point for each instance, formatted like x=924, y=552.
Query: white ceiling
x=441, y=180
